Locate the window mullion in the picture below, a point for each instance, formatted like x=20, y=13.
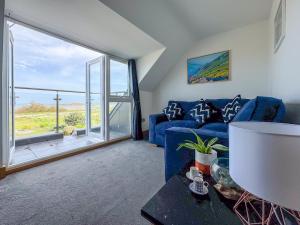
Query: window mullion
x=106, y=96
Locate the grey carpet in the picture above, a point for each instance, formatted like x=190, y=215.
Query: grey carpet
x=107, y=186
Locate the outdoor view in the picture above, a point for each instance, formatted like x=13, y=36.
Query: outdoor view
x=50, y=75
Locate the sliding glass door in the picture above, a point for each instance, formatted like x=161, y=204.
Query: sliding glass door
x=95, y=86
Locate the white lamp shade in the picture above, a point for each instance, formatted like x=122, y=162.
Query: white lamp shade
x=265, y=161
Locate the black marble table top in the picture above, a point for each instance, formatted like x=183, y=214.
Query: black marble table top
x=175, y=204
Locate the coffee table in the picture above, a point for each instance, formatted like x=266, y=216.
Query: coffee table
x=175, y=204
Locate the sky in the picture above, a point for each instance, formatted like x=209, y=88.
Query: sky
x=43, y=61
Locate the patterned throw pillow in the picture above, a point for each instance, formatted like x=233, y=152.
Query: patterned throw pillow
x=216, y=113
x=201, y=112
x=231, y=109
x=173, y=111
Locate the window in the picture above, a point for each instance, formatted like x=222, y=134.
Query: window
x=119, y=80
x=61, y=91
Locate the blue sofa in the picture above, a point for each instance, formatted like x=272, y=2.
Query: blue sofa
x=170, y=133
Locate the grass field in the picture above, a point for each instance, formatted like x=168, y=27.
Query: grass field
x=28, y=124
x=38, y=119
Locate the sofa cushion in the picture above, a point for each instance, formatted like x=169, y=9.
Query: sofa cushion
x=162, y=127
x=220, y=103
x=186, y=107
x=216, y=104
x=266, y=109
x=201, y=112
x=173, y=111
x=231, y=109
x=216, y=127
x=246, y=112
x=216, y=113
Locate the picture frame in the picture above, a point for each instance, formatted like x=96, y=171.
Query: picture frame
x=279, y=25
x=209, y=68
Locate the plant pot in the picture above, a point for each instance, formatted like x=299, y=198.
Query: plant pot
x=203, y=161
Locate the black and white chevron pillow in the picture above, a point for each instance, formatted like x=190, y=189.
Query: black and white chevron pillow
x=173, y=111
x=231, y=109
x=201, y=112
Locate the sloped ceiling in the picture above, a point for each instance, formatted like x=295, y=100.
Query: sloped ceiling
x=155, y=18
x=177, y=24
x=86, y=21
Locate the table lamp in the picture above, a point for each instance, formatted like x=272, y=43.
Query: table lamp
x=264, y=159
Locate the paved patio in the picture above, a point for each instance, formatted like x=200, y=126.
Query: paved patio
x=27, y=153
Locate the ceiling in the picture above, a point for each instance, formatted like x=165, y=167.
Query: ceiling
x=89, y=22
x=207, y=17
x=178, y=24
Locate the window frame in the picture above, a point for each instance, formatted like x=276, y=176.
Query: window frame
x=114, y=98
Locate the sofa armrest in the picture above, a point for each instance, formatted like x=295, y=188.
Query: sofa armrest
x=279, y=118
x=176, y=160
x=153, y=120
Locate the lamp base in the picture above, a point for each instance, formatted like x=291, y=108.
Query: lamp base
x=283, y=216
x=252, y=210
x=255, y=211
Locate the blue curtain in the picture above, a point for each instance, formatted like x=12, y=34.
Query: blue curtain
x=137, y=132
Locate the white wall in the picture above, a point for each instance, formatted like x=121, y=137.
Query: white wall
x=256, y=69
x=249, y=68
x=146, y=107
x=284, y=65
x=145, y=63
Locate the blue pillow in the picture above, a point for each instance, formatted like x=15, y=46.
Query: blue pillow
x=201, y=112
x=173, y=111
x=266, y=109
x=231, y=109
x=246, y=112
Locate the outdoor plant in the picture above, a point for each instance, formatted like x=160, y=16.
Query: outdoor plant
x=69, y=130
x=201, y=146
x=74, y=118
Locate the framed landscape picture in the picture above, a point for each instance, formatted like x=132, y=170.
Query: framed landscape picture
x=209, y=68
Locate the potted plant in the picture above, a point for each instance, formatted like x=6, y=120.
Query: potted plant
x=205, y=151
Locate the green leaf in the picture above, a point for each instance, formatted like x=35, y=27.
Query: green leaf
x=220, y=147
x=189, y=141
x=201, y=149
x=208, y=150
x=187, y=145
x=212, y=141
x=201, y=146
x=199, y=140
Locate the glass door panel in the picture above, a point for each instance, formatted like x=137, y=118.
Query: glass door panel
x=95, y=97
x=119, y=119
x=119, y=100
